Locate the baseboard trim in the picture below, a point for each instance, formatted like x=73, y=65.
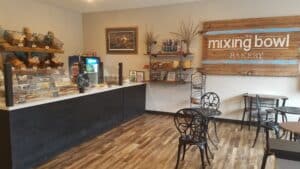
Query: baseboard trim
x=160, y=113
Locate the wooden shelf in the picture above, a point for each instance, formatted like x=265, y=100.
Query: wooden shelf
x=171, y=69
x=165, y=81
x=169, y=54
x=35, y=71
x=27, y=49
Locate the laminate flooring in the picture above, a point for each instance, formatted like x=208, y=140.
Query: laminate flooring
x=150, y=142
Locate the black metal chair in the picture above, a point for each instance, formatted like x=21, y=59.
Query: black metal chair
x=191, y=125
x=267, y=152
x=250, y=108
x=211, y=101
x=282, y=149
x=261, y=121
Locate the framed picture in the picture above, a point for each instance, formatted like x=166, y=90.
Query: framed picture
x=132, y=75
x=122, y=40
x=171, y=76
x=140, y=76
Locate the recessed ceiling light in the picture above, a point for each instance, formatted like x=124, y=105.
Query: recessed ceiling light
x=90, y=1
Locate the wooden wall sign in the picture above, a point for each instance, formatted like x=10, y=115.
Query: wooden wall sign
x=258, y=46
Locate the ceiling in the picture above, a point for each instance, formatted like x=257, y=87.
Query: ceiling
x=108, y=5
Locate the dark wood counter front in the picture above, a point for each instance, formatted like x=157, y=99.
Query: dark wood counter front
x=31, y=136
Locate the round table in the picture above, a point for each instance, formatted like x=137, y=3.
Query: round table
x=293, y=127
x=208, y=112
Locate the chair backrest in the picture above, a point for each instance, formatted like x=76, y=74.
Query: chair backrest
x=190, y=123
x=198, y=80
x=264, y=103
x=210, y=100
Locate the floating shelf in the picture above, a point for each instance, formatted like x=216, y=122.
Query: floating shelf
x=27, y=49
x=35, y=71
x=165, y=81
x=166, y=54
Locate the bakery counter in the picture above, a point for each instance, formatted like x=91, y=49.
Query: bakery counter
x=61, y=98
x=32, y=133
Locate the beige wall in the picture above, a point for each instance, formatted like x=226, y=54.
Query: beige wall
x=164, y=20
x=41, y=17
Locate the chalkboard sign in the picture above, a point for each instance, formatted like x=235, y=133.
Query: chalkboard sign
x=258, y=46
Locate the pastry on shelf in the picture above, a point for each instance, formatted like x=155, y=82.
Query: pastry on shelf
x=33, y=61
x=48, y=39
x=55, y=62
x=14, y=38
x=16, y=63
x=29, y=38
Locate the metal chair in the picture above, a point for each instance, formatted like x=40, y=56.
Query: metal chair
x=261, y=121
x=211, y=100
x=267, y=152
x=191, y=126
x=250, y=108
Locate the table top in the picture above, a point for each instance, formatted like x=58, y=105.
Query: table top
x=208, y=112
x=264, y=96
x=288, y=110
x=291, y=126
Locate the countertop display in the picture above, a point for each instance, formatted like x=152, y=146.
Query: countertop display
x=61, y=98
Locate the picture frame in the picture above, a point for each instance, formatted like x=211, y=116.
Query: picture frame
x=140, y=76
x=171, y=77
x=122, y=40
x=132, y=75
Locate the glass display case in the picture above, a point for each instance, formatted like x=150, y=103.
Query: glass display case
x=37, y=84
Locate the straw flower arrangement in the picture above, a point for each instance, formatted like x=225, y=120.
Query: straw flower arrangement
x=150, y=39
x=187, y=32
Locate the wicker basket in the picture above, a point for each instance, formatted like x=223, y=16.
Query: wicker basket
x=57, y=44
x=14, y=38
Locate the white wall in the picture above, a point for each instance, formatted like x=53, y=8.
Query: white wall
x=41, y=17
x=164, y=20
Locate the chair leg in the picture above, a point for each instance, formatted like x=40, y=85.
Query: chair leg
x=243, y=119
x=202, y=157
x=211, y=154
x=256, y=135
x=208, y=136
x=184, y=149
x=178, y=155
x=264, y=161
x=206, y=153
x=215, y=126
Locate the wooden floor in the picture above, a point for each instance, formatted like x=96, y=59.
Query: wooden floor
x=150, y=142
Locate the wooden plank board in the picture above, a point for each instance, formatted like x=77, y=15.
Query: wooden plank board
x=255, y=46
x=237, y=49
x=269, y=22
x=251, y=70
x=27, y=49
